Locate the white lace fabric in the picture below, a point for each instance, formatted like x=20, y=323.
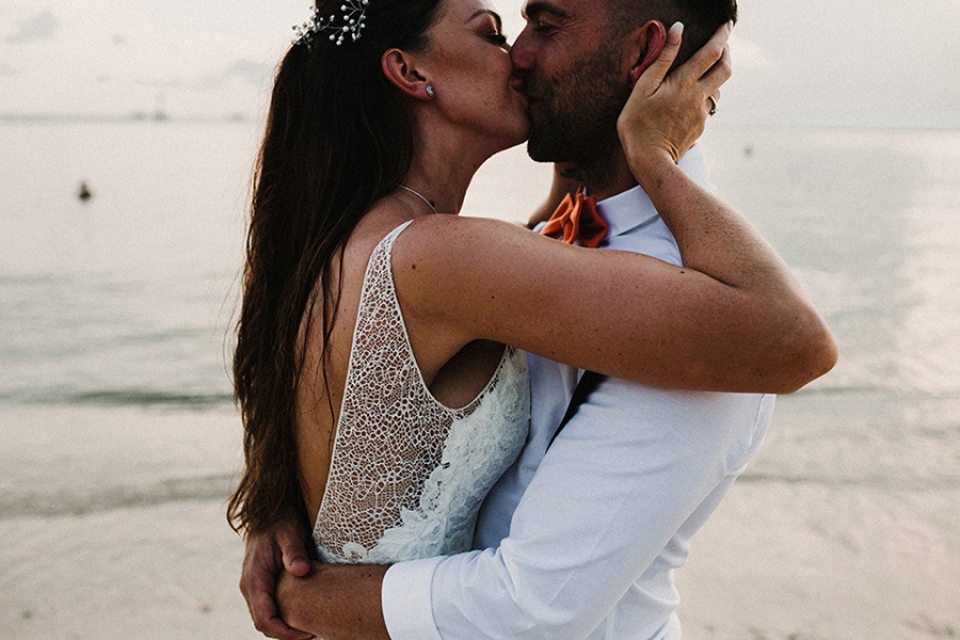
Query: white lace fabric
x=408, y=474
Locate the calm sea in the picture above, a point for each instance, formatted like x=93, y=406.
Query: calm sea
x=121, y=305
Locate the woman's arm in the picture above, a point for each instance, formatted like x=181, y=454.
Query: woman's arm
x=732, y=319
x=712, y=237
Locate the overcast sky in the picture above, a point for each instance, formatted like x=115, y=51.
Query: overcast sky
x=830, y=62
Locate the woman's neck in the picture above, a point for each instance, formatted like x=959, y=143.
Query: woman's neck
x=443, y=166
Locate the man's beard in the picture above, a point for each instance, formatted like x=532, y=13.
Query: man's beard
x=578, y=122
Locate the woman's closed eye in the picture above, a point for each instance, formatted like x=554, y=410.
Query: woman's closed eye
x=497, y=38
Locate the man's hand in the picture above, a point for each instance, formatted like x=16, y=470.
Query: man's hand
x=280, y=549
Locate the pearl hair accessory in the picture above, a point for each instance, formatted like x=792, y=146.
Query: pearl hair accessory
x=349, y=25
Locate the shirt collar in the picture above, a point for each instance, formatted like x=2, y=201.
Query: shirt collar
x=627, y=211
x=633, y=208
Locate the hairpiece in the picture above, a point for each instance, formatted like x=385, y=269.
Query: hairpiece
x=349, y=24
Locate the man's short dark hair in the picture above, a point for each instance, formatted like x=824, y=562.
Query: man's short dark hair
x=701, y=18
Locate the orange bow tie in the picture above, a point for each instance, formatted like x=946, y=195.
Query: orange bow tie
x=577, y=221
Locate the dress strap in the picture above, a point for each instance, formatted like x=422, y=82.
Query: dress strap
x=388, y=241
x=378, y=313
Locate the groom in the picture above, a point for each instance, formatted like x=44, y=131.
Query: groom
x=581, y=536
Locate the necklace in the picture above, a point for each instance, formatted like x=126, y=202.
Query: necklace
x=419, y=195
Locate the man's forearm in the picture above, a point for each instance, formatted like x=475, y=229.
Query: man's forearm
x=335, y=602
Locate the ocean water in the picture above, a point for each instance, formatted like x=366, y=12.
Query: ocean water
x=871, y=222
x=115, y=313
x=126, y=300
x=123, y=299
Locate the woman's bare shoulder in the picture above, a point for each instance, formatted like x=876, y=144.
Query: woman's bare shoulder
x=450, y=242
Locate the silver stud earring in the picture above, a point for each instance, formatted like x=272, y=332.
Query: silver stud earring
x=430, y=90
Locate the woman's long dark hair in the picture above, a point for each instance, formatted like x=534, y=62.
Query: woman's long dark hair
x=338, y=138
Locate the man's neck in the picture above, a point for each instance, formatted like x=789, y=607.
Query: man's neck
x=607, y=176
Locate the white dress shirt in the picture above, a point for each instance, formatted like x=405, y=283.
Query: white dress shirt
x=581, y=540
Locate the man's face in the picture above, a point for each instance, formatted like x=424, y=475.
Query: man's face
x=570, y=62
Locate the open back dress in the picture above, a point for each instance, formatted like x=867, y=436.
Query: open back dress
x=408, y=474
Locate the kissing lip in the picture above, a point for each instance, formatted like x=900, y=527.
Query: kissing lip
x=518, y=85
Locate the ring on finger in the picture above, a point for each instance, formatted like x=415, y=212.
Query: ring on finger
x=713, y=105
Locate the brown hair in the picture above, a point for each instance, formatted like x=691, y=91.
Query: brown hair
x=338, y=138
x=701, y=18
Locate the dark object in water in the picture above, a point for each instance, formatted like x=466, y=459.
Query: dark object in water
x=84, y=194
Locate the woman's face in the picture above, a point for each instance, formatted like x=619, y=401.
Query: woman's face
x=471, y=73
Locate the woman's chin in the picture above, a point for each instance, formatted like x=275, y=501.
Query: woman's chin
x=518, y=136
x=510, y=143
x=502, y=139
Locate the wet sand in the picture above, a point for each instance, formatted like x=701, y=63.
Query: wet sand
x=778, y=560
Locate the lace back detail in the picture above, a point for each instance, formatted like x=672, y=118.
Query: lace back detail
x=408, y=474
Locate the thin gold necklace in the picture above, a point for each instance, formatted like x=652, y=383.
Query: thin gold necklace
x=419, y=195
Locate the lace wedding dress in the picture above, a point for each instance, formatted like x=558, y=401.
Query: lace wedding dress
x=408, y=474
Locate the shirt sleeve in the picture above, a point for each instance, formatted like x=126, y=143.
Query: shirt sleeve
x=405, y=599
x=625, y=474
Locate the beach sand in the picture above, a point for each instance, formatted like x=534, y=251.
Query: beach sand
x=170, y=571
x=778, y=560
x=166, y=571
x=113, y=525
x=797, y=562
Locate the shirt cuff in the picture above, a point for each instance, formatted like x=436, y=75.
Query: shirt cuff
x=406, y=600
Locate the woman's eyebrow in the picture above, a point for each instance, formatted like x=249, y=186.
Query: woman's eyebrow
x=488, y=12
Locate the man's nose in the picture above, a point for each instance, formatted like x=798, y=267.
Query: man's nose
x=521, y=55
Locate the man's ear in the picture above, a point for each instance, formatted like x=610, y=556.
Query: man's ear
x=647, y=42
x=399, y=68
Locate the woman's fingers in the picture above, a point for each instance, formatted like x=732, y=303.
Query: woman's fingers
x=718, y=74
x=710, y=79
x=668, y=110
x=651, y=79
x=706, y=60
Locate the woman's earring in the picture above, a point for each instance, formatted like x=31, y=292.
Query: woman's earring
x=430, y=90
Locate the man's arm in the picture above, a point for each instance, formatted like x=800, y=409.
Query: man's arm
x=621, y=479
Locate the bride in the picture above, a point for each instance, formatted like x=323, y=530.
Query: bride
x=378, y=397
